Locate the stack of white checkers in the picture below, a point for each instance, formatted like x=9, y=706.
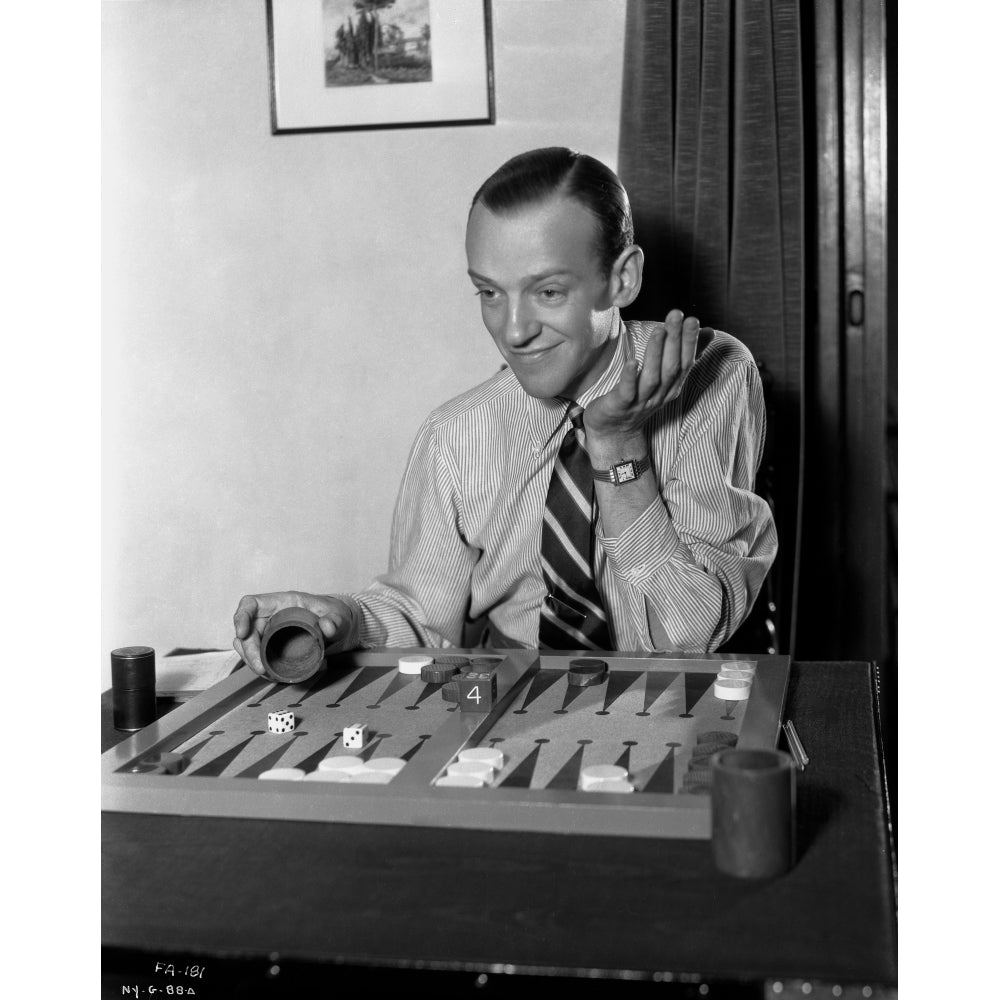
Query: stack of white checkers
x=343, y=768
x=735, y=680
x=474, y=768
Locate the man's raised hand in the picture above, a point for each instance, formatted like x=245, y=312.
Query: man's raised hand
x=670, y=352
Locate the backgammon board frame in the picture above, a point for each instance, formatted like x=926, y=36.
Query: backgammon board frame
x=411, y=798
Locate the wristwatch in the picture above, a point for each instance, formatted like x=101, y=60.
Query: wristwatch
x=623, y=472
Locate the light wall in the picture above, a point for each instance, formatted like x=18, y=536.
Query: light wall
x=281, y=312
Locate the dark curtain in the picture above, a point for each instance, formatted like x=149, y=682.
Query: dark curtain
x=711, y=153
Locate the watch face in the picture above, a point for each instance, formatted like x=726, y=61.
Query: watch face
x=625, y=472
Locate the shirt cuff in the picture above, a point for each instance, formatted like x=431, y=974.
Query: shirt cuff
x=353, y=638
x=645, y=546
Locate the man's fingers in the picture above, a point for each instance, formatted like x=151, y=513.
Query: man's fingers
x=329, y=627
x=689, y=342
x=674, y=322
x=249, y=622
x=246, y=611
x=679, y=354
x=649, y=379
x=628, y=383
x=670, y=362
x=250, y=652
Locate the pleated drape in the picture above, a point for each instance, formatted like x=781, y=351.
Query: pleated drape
x=711, y=153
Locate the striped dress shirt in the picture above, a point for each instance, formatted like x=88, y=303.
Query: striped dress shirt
x=468, y=520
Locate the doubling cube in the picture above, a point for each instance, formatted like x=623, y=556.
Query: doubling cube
x=280, y=722
x=355, y=737
x=477, y=690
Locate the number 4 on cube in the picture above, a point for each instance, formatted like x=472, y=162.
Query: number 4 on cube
x=477, y=690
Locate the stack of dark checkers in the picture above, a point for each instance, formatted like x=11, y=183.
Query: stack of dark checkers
x=583, y=673
x=442, y=671
x=452, y=665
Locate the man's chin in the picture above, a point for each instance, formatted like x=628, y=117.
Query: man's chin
x=538, y=385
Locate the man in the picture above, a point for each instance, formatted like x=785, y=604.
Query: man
x=659, y=543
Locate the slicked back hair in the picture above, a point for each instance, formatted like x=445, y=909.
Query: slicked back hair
x=539, y=174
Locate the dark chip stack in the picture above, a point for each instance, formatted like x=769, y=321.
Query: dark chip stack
x=753, y=812
x=133, y=687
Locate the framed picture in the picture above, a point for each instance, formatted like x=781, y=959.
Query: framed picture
x=375, y=64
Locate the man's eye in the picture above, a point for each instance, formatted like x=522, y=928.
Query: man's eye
x=552, y=294
x=489, y=294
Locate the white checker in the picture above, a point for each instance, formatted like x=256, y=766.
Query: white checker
x=459, y=781
x=601, y=772
x=476, y=768
x=610, y=785
x=391, y=765
x=736, y=673
x=493, y=757
x=329, y=775
x=282, y=774
x=372, y=778
x=342, y=762
x=731, y=689
x=414, y=664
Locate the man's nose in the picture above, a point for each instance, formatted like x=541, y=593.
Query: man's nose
x=521, y=326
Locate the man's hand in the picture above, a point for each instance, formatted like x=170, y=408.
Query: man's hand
x=254, y=610
x=616, y=418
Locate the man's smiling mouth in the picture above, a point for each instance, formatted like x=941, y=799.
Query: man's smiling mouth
x=529, y=356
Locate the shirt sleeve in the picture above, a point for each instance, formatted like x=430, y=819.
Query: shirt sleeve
x=423, y=598
x=697, y=556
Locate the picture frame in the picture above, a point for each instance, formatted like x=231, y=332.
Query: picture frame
x=351, y=65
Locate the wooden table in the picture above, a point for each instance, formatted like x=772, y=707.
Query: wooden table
x=282, y=908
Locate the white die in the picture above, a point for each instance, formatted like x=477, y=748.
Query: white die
x=355, y=737
x=280, y=722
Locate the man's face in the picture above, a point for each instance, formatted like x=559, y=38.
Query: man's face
x=543, y=295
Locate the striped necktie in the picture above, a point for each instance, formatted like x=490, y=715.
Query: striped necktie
x=572, y=615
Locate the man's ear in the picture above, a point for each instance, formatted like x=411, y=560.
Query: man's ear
x=626, y=276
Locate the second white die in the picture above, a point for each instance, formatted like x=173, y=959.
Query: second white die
x=356, y=736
